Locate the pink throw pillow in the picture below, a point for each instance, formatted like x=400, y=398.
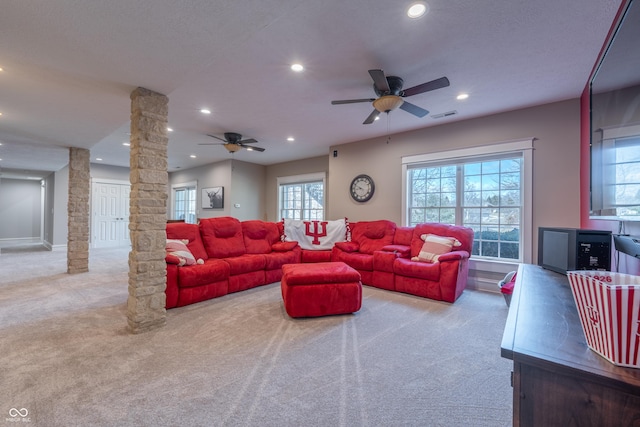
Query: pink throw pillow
x=178, y=249
x=434, y=246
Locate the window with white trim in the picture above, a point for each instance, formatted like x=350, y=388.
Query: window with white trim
x=484, y=189
x=184, y=202
x=301, y=197
x=615, y=179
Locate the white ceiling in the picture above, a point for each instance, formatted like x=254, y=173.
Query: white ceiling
x=69, y=68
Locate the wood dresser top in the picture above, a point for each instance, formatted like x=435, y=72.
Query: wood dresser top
x=543, y=328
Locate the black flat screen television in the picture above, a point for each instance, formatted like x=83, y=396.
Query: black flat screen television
x=615, y=121
x=566, y=249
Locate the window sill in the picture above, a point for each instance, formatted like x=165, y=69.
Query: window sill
x=492, y=266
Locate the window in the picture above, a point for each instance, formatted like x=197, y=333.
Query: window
x=184, y=202
x=484, y=189
x=616, y=174
x=301, y=197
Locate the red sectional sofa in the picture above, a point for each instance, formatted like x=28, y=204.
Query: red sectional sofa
x=238, y=255
x=383, y=253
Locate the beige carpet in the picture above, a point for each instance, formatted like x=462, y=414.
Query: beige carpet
x=240, y=360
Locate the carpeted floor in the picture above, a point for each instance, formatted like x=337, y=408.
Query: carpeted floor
x=240, y=360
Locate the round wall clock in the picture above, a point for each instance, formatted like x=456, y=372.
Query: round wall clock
x=362, y=188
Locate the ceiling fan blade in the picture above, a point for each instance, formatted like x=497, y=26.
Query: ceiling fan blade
x=213, y=136
x=211, y=143
x=248, y=141
x=372, y=117
x=252, y=148
x=413, y=109
x=352, y=101
x=426, y=87
x=380, y=80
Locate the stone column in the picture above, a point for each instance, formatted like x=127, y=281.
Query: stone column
x=78, y=211
x=148, y=211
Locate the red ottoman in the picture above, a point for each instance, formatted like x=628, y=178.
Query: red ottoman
x=320, y=289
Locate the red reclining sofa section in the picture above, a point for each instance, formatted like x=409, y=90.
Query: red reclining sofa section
x=240, y=255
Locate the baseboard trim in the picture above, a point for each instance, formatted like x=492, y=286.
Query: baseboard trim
x=481, y=284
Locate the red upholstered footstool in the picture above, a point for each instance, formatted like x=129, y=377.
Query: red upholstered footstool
x=320, y=289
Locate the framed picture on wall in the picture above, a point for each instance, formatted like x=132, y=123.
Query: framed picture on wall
x=213, y=198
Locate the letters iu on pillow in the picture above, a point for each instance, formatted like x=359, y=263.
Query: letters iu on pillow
x=434, y=246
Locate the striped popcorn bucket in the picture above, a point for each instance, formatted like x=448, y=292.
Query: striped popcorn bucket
x=609, y=308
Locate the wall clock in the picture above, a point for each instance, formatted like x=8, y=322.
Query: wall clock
x=362, y=188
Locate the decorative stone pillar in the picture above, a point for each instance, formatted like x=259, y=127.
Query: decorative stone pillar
x=148, y=211
x=78, y=211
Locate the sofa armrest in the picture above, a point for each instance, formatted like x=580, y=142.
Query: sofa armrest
x=383, y=260
x=171, y=291
x=402, y=251
x=453, y=256
x=347, y=246
x=284, y=246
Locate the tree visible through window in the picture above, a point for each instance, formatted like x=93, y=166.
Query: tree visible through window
x=483, y=194
x=303, y=200
x=615, y=181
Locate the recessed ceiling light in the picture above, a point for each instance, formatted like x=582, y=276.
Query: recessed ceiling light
x=169, y=129
x=291, y=139
x=205, y=111
x=126, y=144
x=99, y=159
x=193, y=156
x=297, y=67
x=462, y=96
x=417, y=10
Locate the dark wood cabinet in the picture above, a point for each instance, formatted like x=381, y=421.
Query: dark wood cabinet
x=557, y=379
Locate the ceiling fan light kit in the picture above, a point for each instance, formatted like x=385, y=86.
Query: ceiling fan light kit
x=390, y=95
x=231, y=147
x=387, y=103
x=233, y=142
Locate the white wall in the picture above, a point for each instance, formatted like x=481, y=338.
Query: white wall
x=214, y=175
x=20, y=209
x=60, y=213
x=115, y=173
x=246, y=197
x=48, y=209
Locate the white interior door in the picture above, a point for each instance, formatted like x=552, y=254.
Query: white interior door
x=110, y=215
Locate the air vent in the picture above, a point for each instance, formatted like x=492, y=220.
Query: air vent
x=447, y=114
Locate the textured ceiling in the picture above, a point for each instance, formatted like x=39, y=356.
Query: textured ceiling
x=70, y=66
